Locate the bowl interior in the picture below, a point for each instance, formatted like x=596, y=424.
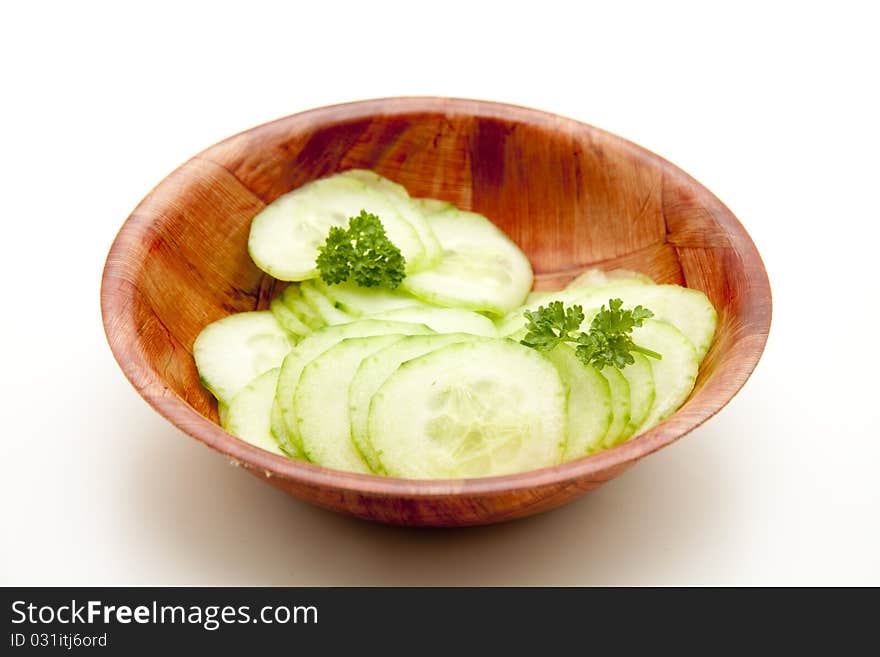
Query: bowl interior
x=570, y=195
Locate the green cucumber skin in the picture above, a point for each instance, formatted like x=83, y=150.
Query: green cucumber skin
x=248, y=416
x=433, y=206
x=222, y=410
x=279, y=433
x=365, y=302
x=640, y=377
x=674, y=375
x=589, y=412
x=316, y=344
x=292, y=298
x=323, y=306
x=323, y=422
x=620, y=403
x=288, y=319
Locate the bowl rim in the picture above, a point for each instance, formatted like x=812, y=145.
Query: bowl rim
x=116, y=291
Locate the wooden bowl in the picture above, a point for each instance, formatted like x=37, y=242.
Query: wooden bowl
x=572, y=196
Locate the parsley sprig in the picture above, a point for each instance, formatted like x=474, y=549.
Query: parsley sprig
x=607, y=342
x=361, y=252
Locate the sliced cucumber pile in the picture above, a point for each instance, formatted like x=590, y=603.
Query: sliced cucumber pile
x=279, y=430
x=322, y=419
x=621, y=405
x=328, y=311
x=640, y=377
x=312, y=347
x=472, y=409
x=288, y=319
x=292, y=298
x=674, y=374
x=430, y=380
x=589, y=408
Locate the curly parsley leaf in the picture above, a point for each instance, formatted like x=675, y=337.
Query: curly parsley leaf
x=552, y=325
x=334, y=258
x=361, y=252
x=607, y=342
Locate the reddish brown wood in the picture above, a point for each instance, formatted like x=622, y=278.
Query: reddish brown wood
x=572, y=196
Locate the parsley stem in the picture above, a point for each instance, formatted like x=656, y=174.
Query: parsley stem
x=646, y=352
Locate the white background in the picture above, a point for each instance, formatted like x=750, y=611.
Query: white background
x=773, y=107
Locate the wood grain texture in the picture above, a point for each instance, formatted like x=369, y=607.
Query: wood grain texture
x=572, y=196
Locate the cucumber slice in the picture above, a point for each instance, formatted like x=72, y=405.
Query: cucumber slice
x=312, y=347
x=674, y=375
x=286, y=317
x=431, y=206
x=687, y=309
x=345, y=197
x=597, y=277
x=248, y=416
x=279, y=431
x=222, y=412
x=322, y=419
x=640, y=378
x=481, y=268
x=620, y=405
x=373, y=372
x=408, y=209
x=539, y=297
x=590, y=411
x=292, y=298
x=323, y=306
x=359, y=301
x=233, y=351
x=285, y=236
x=513, y=323
x=478, y=408
x=443, y=320
x=372, y=179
